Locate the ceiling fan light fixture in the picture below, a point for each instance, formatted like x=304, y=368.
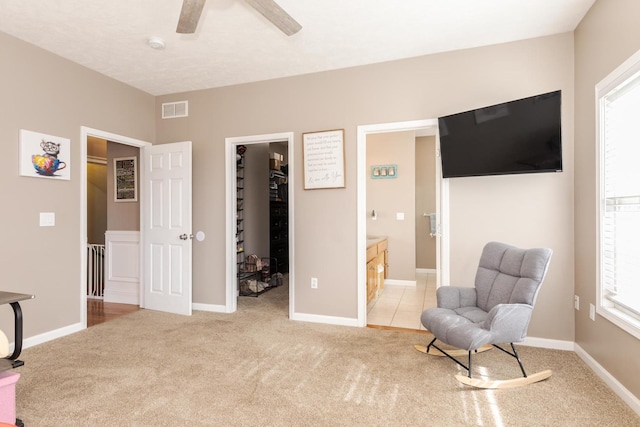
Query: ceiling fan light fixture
x=156, y=43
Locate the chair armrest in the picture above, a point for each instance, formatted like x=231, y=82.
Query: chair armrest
x=508, y=323
x=453, y=297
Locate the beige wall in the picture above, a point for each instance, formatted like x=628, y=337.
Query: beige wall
x=391, y=196
x=424, y=87
x=45, y=93
x=121, y=216
x=607, y=36
x=425, y=201
x=526, y=210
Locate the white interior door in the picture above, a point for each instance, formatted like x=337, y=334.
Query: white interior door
x=166, y=237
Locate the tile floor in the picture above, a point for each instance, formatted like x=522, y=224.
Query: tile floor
x=401, y=306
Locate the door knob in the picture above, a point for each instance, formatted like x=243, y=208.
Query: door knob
x=186, y=236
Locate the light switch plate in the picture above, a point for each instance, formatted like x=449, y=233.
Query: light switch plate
x=400, y=216
x=47, y=219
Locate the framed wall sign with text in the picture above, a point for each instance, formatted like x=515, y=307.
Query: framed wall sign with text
x=323, y=158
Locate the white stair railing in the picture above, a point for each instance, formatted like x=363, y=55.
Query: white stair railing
x=95, y=271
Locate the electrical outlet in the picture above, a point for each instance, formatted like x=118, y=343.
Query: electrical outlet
x=314, y=283
x=576, y=302
x=592, y=312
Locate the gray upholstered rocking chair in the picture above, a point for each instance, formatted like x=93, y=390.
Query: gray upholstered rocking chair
x=496, y=311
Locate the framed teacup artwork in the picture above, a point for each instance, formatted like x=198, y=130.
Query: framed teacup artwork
x=44, y=156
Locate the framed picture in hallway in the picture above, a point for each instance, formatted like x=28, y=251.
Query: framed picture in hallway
x=323, y=158
x=125, y=178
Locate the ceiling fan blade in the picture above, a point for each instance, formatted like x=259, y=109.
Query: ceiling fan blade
x=189, y=16
x=278, y=17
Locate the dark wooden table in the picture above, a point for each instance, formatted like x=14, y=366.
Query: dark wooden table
x=14, y=299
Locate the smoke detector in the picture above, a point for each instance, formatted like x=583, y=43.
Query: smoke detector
x=156, y=43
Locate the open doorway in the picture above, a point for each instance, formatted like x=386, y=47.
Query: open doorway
x=401, y=216
x=250, y=225
x=108, y=216
x=262, y=249
x=100, y=165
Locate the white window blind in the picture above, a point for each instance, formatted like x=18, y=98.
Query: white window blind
x=620, y=197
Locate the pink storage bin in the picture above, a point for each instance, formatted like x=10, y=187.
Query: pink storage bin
x=8, y=382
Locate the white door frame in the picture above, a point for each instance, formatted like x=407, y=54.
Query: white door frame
x=442, y=207
x=231, y=301
x=85, y=132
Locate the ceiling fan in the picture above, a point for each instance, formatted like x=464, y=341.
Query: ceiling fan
x=192, y=9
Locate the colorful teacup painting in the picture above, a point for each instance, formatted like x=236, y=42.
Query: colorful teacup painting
x=48, y=163
x=44, y=155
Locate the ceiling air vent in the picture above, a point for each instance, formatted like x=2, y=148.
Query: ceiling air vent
x=171, y=110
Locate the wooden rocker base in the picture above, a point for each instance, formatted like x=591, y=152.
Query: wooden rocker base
x=454, y=353
x=502, y=384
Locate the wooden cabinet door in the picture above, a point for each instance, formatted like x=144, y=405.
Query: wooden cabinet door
x=372, y=287
x=380, y=270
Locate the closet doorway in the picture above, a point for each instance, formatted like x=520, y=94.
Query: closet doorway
x=259, y=182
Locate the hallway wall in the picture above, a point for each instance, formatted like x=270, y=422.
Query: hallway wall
x=392, y=196
x=121, y=215
x=425, y=201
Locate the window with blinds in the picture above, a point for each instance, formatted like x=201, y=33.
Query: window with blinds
x=618, y=100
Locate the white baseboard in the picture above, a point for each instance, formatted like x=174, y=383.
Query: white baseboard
x=394, y=282
x=426, y=271
x=329, y=320
x=77, y=327
x=213, y=308
x=52, y=335
x=548, y=343
x=614, y=384
x=610, y=380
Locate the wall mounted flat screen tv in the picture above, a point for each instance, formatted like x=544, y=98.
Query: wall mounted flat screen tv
x=522, y=136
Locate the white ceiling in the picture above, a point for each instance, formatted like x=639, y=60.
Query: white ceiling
x=234, y=44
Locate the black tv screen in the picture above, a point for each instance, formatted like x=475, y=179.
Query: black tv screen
x=522, y=136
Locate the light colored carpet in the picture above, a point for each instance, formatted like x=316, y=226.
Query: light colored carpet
x=255, y=367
